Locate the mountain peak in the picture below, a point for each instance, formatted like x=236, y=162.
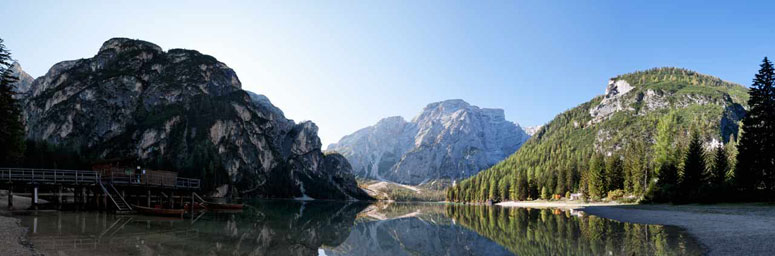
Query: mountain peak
x=120, y=44
x=25, y=80
x=665, y=74
x=449, y=105
x=449, y=139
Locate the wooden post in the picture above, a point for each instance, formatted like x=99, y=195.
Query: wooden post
x=10, y=197
x=192, y=203
x=172, y=199
x=59, y=197
x=35, y=197
x=149, y=197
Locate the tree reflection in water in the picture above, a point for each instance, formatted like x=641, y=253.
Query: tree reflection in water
x=527, y=231
x=349, y=228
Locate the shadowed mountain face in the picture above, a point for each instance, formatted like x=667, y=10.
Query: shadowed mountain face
x=448, y=140
x=185, y=111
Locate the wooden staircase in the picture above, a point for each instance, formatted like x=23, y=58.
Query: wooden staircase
x=122, y=207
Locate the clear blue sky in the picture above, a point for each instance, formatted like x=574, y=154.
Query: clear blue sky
x=346, y=64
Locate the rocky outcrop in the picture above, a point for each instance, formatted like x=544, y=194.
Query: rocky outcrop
x=532, y=130
x=448, y=140
x=186, y=111
x=24, y=80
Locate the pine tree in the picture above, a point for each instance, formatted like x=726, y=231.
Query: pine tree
x=755, y=159
x=522, y=187
x=614, y=172
x=572, y=178
x=666, y=188
x=11, y=127
x=635, y=165
x=665, y=150
x=596, y=178
x=694, y=170
x=561, y=186
x=718, y=174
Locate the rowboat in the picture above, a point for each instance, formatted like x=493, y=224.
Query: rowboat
x=223, y=206
x=159, y=211
x=197, y=206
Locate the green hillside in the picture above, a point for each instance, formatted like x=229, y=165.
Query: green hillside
x=618, y=130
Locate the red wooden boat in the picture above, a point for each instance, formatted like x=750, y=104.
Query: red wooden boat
x=223, y=206
x=159, y=211
x=197, y=206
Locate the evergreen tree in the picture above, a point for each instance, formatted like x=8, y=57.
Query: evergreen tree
x=561, y=186
x=635, y=165
x=572, y=178
x=11, y=127
x=522, y=187
x=614, y=173
x=718, y=173
x=596, y=179
x=666, y=188
x=756, y=158
x=665, y=152
x=694, y=170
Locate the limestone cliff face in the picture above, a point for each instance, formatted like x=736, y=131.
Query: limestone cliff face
x=182, y=110
x=448, y=140
x=24, y=82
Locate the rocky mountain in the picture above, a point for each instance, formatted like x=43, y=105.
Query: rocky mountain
x=622, y=121
x=24, y=82
x=182, y=110
x=447, y=140
x=532, y=130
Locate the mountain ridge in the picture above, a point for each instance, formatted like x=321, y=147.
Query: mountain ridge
x=449, y=139
x=621, y=121
x=186, y=111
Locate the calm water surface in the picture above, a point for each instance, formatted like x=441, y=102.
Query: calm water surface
x=330, y=228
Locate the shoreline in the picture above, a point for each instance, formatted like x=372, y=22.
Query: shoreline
x=722, y=229
x=735, y=229
x=555, y=204
x=14, y=235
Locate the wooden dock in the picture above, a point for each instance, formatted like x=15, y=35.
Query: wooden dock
x=99, y=190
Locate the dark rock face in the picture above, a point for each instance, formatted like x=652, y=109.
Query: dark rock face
x=186, y=111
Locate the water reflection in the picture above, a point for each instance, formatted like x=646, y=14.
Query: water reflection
x=555, y=232
x=331, y=228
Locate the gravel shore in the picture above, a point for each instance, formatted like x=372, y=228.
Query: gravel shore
x=13, y=240
x=734, y=229
x=13, y=237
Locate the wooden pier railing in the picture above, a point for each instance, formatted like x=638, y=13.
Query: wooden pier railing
x=48, y=176
x=84, y=177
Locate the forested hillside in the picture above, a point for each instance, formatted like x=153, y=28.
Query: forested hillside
x=615, y=142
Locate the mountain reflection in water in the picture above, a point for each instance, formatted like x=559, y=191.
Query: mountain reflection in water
x=350, y=228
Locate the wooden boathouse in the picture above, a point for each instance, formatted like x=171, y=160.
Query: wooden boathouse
x=110, y=186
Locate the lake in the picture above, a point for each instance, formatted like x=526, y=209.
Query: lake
x=336, y=228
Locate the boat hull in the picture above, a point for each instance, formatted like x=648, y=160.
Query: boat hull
x=159, y=211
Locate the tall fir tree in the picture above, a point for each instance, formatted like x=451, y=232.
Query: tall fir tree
x=11, y=126
x=693, y=177
x=665, y=150
x=718, y=174
x=596, y=183
x=614, y=173
x=755, y=167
